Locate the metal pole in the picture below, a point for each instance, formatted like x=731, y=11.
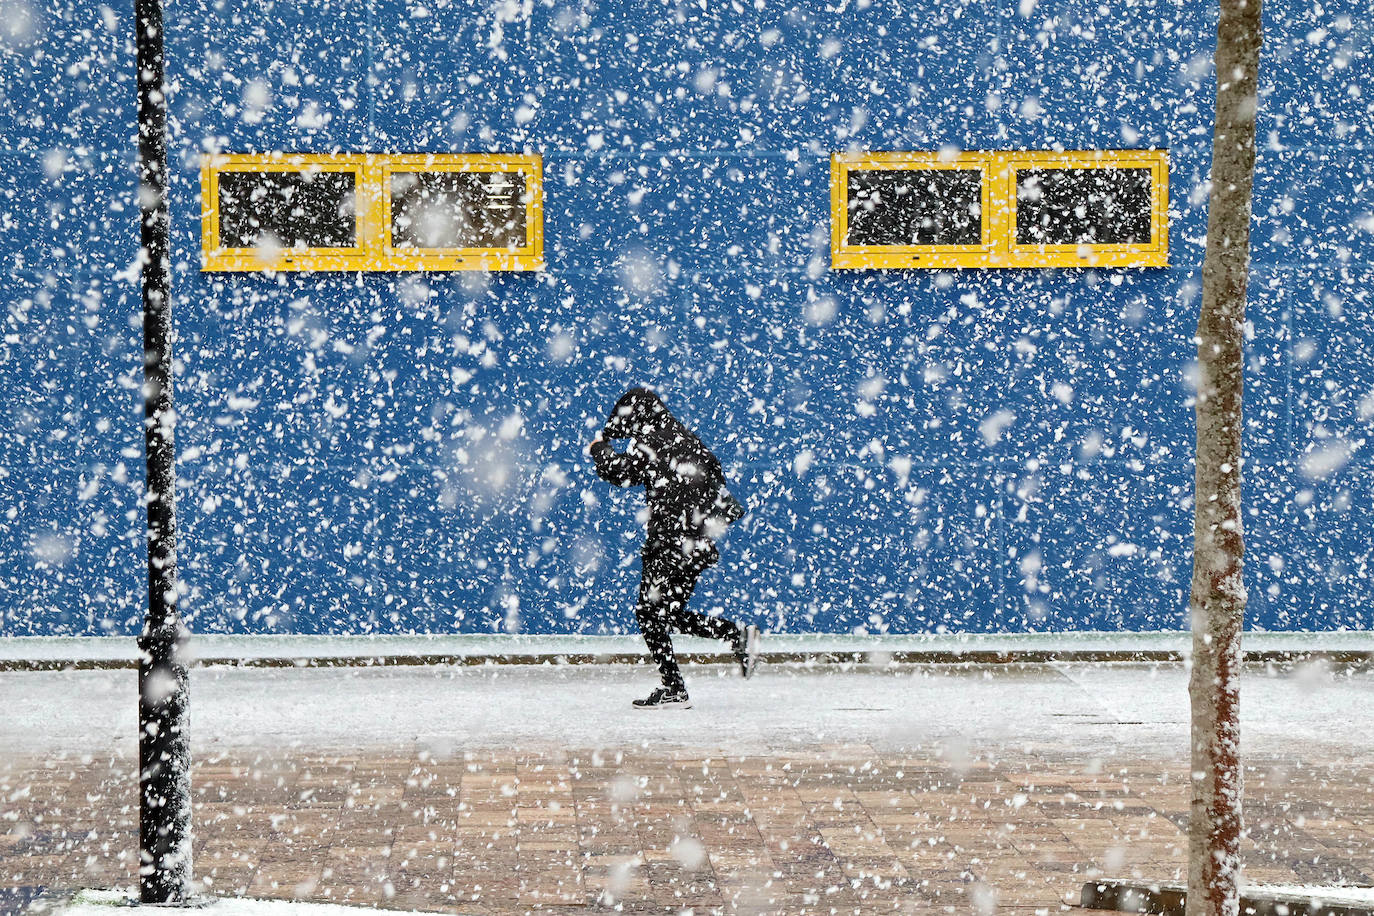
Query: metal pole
x=164, y=754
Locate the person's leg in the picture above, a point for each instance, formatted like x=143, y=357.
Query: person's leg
x=655, y=611
x=694, y=624
x=743, y=638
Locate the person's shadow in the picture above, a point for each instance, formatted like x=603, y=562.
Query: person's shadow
x=16, y=901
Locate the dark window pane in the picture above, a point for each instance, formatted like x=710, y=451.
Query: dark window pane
x=1083, y=206
x=458, y=210
x=291, y=209
x=916, y=207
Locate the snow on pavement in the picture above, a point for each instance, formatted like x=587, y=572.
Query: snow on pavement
x=110, y=903
x=1131, y=709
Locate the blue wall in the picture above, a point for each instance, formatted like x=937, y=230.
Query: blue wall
x=398, y=453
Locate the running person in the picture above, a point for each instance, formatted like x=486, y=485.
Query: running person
x=689, y=508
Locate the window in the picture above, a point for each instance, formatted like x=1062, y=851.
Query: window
x=457, y=212
x=282, y=213
x=911, y=210
x=372, y=212
x=915, y=207
x=306, y=209
x=1102, y=208
x=1027, y=209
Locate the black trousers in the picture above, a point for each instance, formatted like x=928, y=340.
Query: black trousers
x=665, y=587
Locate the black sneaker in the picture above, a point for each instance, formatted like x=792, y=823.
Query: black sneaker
x=747, y=649
x=663, y=698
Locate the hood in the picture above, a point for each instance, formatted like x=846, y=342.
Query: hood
x=640, y=414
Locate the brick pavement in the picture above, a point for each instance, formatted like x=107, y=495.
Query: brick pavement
x=838, y=829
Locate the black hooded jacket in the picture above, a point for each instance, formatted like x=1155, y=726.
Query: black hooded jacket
x=689, y=505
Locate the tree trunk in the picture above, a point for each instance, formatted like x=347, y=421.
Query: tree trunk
x=1217, y=602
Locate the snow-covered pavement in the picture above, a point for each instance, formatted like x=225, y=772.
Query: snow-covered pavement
x=484, y=789
x=1137, y=710
x=110, y=903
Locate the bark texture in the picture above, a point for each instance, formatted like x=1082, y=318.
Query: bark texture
x=1217, y=601
x=164, y=754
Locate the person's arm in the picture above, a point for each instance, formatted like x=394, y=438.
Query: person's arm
x=731, y=509
x=624, y=469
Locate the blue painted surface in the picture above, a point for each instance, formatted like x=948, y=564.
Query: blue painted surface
x=397, y=453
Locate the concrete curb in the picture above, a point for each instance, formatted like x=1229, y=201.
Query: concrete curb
x=877, y=656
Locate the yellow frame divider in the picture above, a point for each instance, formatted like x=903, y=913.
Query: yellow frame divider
x=999, y=247
x=374, y=251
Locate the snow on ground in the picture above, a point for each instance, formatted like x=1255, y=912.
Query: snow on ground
x=1131, y=709
x=1326, y=893
x=104, y=903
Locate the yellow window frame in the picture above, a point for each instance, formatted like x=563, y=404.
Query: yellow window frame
x=1154, y=254
x=529, y=256
x=844, y=255
x=372, y=187
x=219, y=258
x=999, y=248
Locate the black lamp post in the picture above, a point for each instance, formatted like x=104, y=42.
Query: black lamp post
x=164, y=753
